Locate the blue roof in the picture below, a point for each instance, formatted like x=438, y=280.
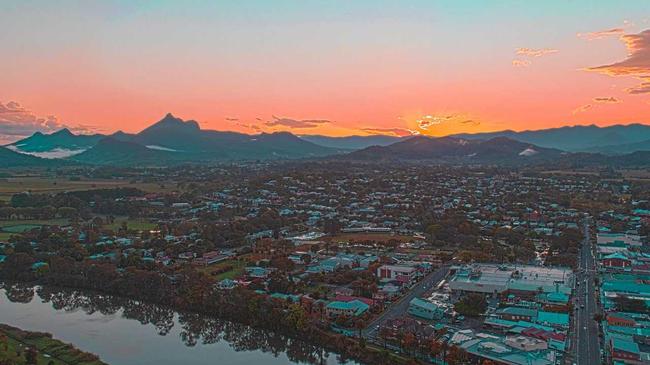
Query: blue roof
x=423, y=304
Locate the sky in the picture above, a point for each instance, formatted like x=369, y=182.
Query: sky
x=323, y=67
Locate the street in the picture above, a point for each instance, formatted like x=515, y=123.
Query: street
x=399, y=308
x=586, y=347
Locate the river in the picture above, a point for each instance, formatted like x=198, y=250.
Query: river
x=122, y=331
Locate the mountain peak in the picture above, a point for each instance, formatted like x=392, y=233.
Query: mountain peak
x=63, y=132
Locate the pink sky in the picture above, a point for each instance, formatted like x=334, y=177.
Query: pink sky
x=426, y=67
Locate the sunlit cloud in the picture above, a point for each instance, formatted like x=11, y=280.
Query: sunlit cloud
x=637, y=63
x=582, y=109
x=520, y=63
x=601, y=34
x=606, y=100
x=17, y=122
x=296, y=123
x=398, y=132
x=642, y=88
x=427, y=121
x=535, y=52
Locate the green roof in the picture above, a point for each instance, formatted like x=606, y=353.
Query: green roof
x=625, y=345
x=553, y=318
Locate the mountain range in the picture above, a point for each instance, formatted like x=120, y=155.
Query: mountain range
x=616, y=139
x=175, y=141
x=170, y=141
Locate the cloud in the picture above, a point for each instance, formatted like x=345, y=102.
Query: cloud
x=471, y=122
x=602, y=34
x=428, y=120
x=535, y=52
x=520, y=63
x=582, y=109
x=399, y=132
x=230, y=119
x=606, y=100
x=295, y=123
x=637, y=63
x=642, y=88
x=17, y=122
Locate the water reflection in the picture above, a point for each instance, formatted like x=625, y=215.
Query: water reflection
x=192, y=328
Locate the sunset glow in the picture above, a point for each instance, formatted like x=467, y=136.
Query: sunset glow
x=333, y=68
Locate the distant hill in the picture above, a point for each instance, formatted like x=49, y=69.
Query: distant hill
x=352, y=142
x=498, y=150
x=173, y=140
x=11, y=159
x=578, y=138
x=110, y=151
x=56, y=145
x=618, y=149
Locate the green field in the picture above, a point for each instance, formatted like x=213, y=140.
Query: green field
x=9, y=227
x=50, y=351
x=131, y=224
x=38, y=184
x=236, y=271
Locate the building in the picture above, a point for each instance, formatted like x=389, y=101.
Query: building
x=352, y=308
x=616, y=260
x=624, y=350
x=525, y=280
x=425, y=309
x=620, y=238
x=405, y=274
x=517, y=314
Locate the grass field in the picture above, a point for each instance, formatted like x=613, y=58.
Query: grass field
x=50, y=351
x=237, y=269
x=131, y=224
x=33, y=184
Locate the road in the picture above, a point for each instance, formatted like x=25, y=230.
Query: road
x=587, y=347
x=400, y=307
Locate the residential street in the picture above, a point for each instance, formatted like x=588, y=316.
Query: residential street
x=586, y=349
x=399, y=308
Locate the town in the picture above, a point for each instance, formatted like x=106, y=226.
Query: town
x=444, y=264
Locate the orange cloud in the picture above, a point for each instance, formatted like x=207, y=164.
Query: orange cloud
x=535, y=52
x=606, y=100
x=636, y=64
x=399, y=132
x=296, y=123
x=642, y=88
x=582, y=109
x=601, y=34
x=520, y=63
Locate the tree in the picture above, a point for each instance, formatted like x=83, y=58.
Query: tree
x=472, y=305
x=31, y=356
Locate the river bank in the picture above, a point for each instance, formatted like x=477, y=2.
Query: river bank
x=125, y=331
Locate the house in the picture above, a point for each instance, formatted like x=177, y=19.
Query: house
x=616, y=260
x=624, y=350
x=425, y=309
x=517, y=314
x=405, y=274
x=257, y=272
x=352, y=308
x=553, y=319
x=620, y=319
